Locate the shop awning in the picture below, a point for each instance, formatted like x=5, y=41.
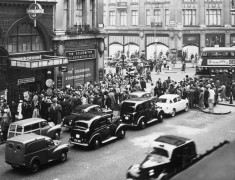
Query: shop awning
x=39, y=62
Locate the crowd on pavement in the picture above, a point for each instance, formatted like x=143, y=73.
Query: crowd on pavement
x=109, y=93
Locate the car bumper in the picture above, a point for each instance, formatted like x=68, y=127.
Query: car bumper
x=78, y=143
x=67, y=126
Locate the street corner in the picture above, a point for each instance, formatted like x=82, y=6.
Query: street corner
x=218, y=110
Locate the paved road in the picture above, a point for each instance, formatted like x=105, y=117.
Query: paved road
x=111, y=161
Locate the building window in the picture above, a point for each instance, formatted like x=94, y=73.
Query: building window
x=157, y=15
x=189, y=17
x=135, y=18
x=65, y=13
x=213, y=17
x=167, y=17
x=25, y=38
x=112, y=19
x=123, y=18
x=148, y=22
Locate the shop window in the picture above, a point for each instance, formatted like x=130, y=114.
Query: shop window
x=25, y=38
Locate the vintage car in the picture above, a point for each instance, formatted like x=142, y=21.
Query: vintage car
x=172, y=103
x=169, y=154
x=139, y=112
x=32, y=151
x=69, y=120
x=34, y=125
x=142, y=94
x=94, y=129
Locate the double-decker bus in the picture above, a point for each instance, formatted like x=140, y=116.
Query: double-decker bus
x=214, y=62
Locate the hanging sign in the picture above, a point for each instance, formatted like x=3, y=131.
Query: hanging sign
x=35, y=11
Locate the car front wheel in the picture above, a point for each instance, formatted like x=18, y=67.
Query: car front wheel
x=173, y=112
x=56, y=135
x=95, y=143
x=186, y=108
x=142, y=124
x=121, y=134
x=160, y=117
x=63, y=156
x=35, y=167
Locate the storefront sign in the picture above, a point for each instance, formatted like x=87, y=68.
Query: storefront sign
x=59, y=81
x=221, y=61
x=26, y=80
x=49, y=82
x=81, y=55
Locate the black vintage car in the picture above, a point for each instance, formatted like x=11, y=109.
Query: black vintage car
x=69, y=120
x=94, y=129
x=139, y=112
x=170, y=153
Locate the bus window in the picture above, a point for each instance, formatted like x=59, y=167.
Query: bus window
x=205, y=54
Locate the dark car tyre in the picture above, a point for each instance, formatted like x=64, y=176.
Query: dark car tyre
x=186, y=108
x=34, y=166
x=121, y=134
x=15, y=167
x=160, y=117
x=63, y=156
x=173, y=112
x=56, y=135
x=142, y=124
x=95, y=143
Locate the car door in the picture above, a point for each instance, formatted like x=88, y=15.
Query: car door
x=104, y=128
x=44, y=127
x=181, y=103
x=50, y=148
x=147, y=110
x=176, y=105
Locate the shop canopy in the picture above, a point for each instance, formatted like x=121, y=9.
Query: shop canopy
x=38, y=62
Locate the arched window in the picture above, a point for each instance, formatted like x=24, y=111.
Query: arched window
x=25, y=38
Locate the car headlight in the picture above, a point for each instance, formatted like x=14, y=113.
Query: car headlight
x=151, y=172
x=70, y=122
x=126, y=117
x=134, y=170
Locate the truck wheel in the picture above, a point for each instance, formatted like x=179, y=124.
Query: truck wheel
x=121, y=134
x=95, y=143
x=56, y=135
x=34, y=166
x=63, y=156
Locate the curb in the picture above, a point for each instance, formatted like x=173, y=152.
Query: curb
x=231, y=105
x=215, y=113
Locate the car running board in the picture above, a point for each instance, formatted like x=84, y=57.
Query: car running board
x=153, y=120
x=110, y=139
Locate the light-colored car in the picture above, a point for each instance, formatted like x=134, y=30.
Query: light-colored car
x=34, y=125
x=172, y=103
x=142, y=94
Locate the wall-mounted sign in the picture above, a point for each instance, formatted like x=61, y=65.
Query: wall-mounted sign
x=81, y=55
x=59, y=81
x=35, y=11
x=26, y=80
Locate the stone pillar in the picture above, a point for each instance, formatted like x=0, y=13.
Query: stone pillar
x=88, y=13
x=142, y=43
x=142, y=16
x=227, y=15
x=201, y=12
x=58, y=19
x=227, y=39
x=202, y=40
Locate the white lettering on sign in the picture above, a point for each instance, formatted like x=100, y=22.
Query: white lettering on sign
x=77, y=76
x=220, y=61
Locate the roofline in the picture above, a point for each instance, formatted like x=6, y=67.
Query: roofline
x=36, y=120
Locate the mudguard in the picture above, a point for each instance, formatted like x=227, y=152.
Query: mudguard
x=95, y=135
x=53, y=129
x=142, y=117
x=34, y=158
x=119, y=127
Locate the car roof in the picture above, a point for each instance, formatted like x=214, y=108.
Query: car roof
x=218, y=49
x=167, y=96
x=89, y=116
x=28, y=121
x=138, y=93
x=172, y=140
x=137, y=100
x=84, y=106
x=25, y=138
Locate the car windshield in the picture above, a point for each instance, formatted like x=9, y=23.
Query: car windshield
x=159, y=151
x=128, y=107
x=162, y=100
x=81, y=125
x=78, y=110
x=133, y=96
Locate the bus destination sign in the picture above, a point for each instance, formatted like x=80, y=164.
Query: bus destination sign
x=220, y=62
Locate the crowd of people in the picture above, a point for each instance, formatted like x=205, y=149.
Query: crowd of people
x=114, y=89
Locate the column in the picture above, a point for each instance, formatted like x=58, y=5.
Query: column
x=142, y=19
x=201, y=12
x=202, y=40
x=88, y=12
x=227, y=15
x=227, y=39
x=58, y=18
x=142, y=43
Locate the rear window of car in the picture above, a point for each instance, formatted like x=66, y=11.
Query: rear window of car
x=19, y=128
x=162, y=100
x=128, y=107
x=159, y=151
x=12, y=127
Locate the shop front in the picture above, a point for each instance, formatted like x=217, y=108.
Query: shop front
x=81, y=68
x=191, y=45
x=213, y=40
